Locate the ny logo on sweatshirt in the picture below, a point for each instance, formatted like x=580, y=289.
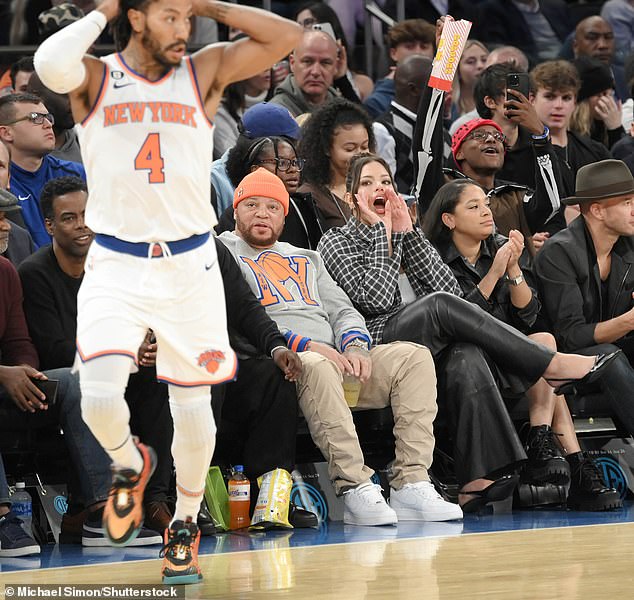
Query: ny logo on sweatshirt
x=272, y=271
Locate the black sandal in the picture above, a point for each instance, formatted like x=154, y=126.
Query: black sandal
x=594, y=374
x=499, y=490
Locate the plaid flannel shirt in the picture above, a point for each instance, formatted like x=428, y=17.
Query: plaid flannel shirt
x=357, y=256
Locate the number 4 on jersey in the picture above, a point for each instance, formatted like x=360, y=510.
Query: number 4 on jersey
x=149, y=157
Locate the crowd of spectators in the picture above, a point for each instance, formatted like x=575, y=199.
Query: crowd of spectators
x=497, y=265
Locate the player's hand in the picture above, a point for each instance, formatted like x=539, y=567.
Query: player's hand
x=147, y=350
x=18, y=383
x=288, y=362
x=342, y=362
x=360, y=361
x=110, y=8
x=520, y=111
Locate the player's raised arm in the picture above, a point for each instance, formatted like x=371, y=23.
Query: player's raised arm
x=61, y=60
x=270, y=38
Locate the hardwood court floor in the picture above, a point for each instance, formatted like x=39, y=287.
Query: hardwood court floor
x=555, y=557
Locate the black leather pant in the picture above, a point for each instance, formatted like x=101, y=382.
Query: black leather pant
x=461, y=336
x=442, y=319
x=618, y=383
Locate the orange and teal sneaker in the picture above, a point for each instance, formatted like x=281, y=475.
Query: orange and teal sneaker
x=180, y=553
x=123, y=514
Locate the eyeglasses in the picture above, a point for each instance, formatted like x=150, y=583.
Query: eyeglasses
x=37, y=118
x=284, y=164
x=483, y=136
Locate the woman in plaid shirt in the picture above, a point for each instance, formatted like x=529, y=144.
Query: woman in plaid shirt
x=397, y=280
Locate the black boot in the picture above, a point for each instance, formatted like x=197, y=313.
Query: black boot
x=546, y=462
x=588, y=490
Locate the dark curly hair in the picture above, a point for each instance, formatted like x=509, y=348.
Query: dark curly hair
x=59, y=187
x=120, y=27
x=247, y=152
x=318, y=131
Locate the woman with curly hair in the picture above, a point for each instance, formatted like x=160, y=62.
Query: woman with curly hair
x=333, y=134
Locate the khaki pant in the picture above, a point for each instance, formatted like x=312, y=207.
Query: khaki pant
x=404, y=377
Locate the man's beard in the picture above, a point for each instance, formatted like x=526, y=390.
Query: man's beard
x=245, y=234
x=4, y=244
x=154, y=48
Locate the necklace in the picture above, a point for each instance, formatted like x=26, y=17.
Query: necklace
x=336, y=201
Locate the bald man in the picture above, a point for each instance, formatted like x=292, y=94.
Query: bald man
x=410, y=77
x=594, y=37
x=313, y=67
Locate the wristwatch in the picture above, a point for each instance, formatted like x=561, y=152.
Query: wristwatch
x=358, y=343
x=515, y=280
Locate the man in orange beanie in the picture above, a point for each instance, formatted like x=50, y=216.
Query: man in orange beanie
x=319, y=322
x=264, y=184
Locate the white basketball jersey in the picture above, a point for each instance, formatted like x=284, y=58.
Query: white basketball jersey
x=147, y=149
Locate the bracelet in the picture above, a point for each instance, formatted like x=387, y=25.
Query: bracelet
x=543, y=136
x=277, y=348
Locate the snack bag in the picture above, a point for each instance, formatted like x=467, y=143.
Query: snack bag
x=271, y=509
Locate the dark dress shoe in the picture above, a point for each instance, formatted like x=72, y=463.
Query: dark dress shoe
x=499, y=490
x=157, y=515
x=301, y=518
x=205, y=521
x=594, y=374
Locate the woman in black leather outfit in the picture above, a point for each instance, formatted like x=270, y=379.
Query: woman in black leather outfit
x=488, y=268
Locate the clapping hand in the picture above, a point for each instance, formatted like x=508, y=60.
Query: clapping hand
x=516, y=247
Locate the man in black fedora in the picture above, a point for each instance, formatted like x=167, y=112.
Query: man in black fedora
x=586, y=275
x=587, y=270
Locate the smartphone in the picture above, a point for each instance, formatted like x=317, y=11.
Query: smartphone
x=49, y=388
x=326, y=28
x=519, y=82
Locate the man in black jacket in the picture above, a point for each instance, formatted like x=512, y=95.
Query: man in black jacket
x=586, y=274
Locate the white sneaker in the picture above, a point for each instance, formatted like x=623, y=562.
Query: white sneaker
x=421, y=502
x=365, y=505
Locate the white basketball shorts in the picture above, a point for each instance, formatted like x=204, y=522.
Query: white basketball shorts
x=180, y=297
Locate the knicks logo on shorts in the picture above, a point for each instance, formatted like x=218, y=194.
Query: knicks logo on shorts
x=211, y=359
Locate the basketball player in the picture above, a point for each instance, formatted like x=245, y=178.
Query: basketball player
x=146, y=139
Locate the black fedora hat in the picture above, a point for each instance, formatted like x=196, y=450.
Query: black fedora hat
x=600, y=181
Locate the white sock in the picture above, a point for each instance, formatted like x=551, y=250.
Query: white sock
x=103, y=381
x=192, y=447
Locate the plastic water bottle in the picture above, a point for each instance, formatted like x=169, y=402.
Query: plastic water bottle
x=239, y=499
x=22, y=506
